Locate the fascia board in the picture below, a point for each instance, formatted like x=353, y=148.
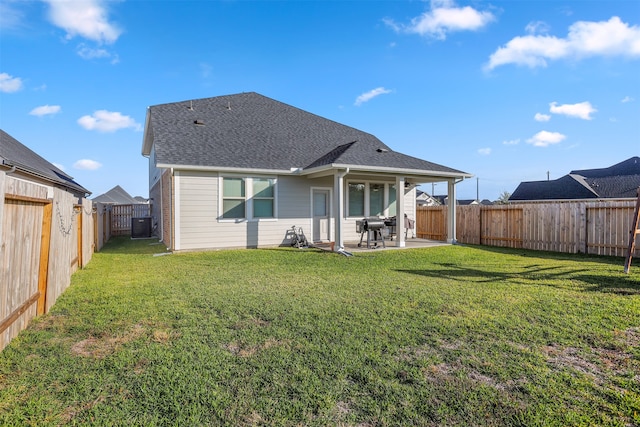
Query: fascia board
x=226, y=169
x=146, y=138
x=389, y=170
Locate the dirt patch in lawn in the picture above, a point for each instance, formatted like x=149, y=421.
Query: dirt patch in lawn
x=597, y=362
x=241, y=349
x=101, y=347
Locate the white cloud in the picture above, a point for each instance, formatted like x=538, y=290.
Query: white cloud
x=86, y=18
x=87, y=164
x=368, y=96
x=585, y=39
x=582, y=110
x=545, y=138
x=627, y=99
x=538, y=27
x=87, y=52
x=443, y=18
x=9, y=84
x=10, y=17
x=539, y=117
x=107, y=121
x=484, y=151
x=45, y=110
x=512, y=142
x=59, y=166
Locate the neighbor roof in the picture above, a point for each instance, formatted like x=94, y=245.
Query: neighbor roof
x=116, y=196
x=252, y=132
x=618, y=181
x=14, y=153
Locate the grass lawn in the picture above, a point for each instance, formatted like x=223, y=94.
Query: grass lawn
x=454, y=335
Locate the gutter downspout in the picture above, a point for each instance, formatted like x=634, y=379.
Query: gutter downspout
x=12, y=168
x=338, y=183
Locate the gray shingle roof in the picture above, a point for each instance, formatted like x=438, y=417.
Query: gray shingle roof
x=251, y=131
x=618, y=181
x=14, y=153
x=118, y=196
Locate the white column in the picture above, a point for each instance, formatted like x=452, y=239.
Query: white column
x=338, y=210
x=400, y=241
x=451, y=216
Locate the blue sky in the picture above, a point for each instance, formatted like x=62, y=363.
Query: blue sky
x=505, y=90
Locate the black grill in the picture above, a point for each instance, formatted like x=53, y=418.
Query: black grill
x=373, y=227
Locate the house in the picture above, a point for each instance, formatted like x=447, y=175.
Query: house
x=241, y=170
x=118, y=196
x=22, y=162
x=424, y=199
x=443, y=199
x=615, y=182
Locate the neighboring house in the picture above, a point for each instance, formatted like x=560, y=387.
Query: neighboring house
x=615, y=182
x=424, y=199
x=443, y=199
x=118, y=196
x=20, y=161
x=241, y=170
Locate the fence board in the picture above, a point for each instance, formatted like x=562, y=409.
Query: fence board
x=596, y=227
x=432, y=224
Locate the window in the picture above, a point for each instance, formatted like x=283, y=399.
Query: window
x=392, y=200
x=263, y=197
x=248, y=198
x=356, y=199
x=233, y=198
x=376, y=199
x=371, y=199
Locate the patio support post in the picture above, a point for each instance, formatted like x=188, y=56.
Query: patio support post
x=338, y=194
x=400, y=240
x=451, y=212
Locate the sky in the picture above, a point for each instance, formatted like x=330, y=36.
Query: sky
x=508, y=91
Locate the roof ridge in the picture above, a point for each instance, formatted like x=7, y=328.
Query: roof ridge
x=583, y=181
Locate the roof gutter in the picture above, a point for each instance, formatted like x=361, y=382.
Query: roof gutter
x=12, y=168
x=385, y=169
x=292, y=171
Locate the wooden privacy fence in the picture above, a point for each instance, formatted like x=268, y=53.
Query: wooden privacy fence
x=121, y=217
x=593, y=227
x=45, y=236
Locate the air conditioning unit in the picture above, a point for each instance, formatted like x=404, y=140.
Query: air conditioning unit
x=141, y=227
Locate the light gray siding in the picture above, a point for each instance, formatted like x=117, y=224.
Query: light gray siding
x=198, y=211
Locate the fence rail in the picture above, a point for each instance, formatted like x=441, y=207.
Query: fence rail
x=593, y=227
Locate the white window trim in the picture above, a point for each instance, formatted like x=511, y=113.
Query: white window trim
x=367, y=199
x=248, y=198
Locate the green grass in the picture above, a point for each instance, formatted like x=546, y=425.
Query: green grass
x=441, y=336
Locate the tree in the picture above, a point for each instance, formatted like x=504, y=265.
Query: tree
x=503, y=199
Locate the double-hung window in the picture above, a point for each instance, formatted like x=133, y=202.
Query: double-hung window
x=264, y=197
x=248, y=198
x=233, y=198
